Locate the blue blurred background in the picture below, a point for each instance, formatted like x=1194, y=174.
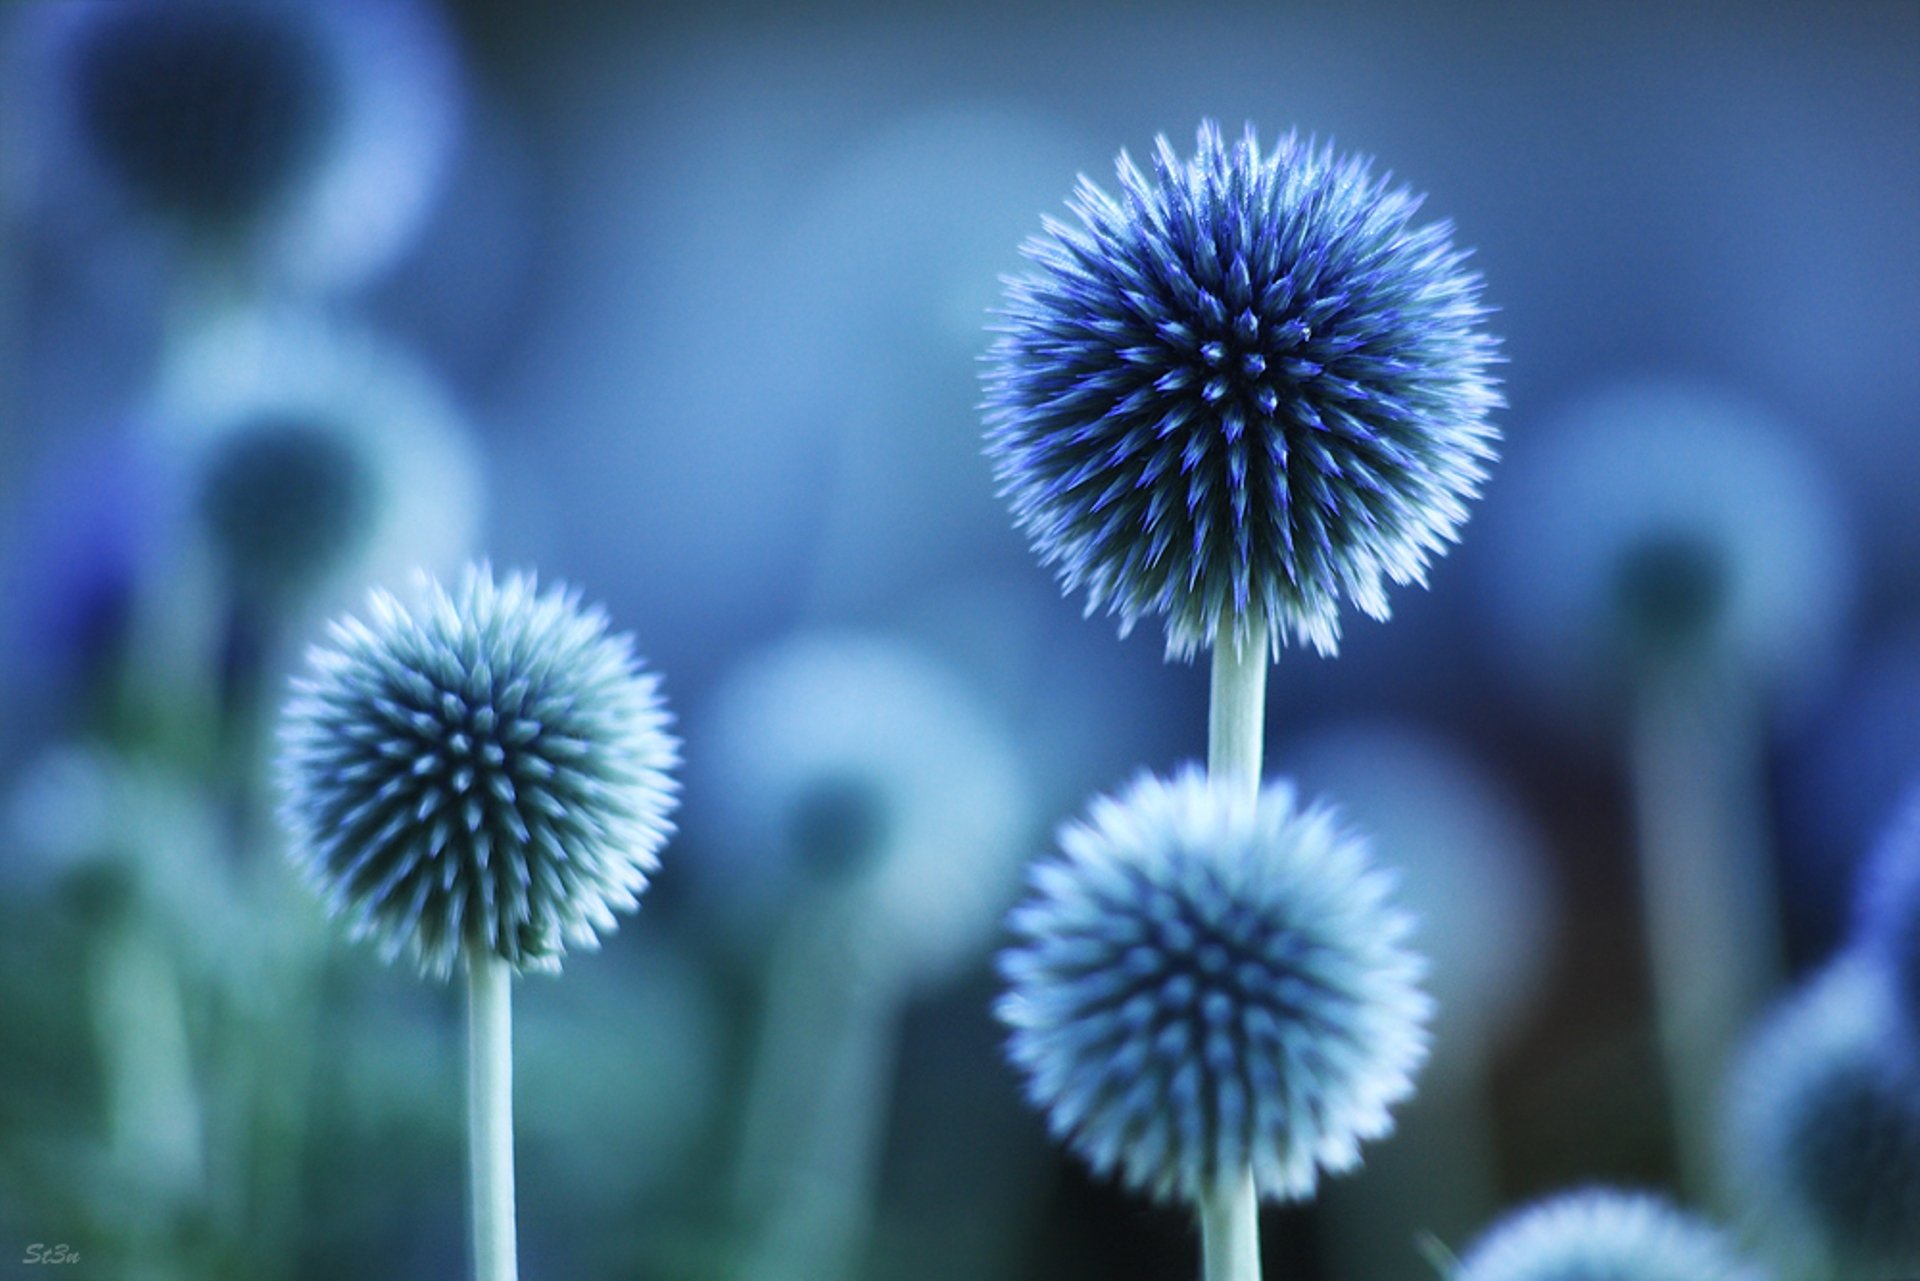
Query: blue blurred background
x=702, y=290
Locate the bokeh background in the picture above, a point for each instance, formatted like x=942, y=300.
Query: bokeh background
x=699, y=294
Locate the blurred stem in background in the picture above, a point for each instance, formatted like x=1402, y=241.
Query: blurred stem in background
x=1236, y=730
x=1707, y=893
x=154, y=1127
x=815, y=1113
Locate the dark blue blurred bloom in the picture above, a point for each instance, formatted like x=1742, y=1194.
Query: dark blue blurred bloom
x=1824, y=1128
x=1250, y=386
x=307, y=138
x=209, y=112
x=1598, y=1234
x=487, y=771
x=1204, y=984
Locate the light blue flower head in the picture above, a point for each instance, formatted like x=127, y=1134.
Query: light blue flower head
x=1658, y=523
x=1823, y=1134
x=1473, y=868
x=1600, y=1234
x=1249, y=386
x=1204, y=983
x=859, y=766
x=487, y=769
x=319, y=457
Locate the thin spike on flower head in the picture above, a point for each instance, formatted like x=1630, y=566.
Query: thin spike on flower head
x=484, y=770
x=1251, y=385
x=1206, y=983
x=1601, y=1234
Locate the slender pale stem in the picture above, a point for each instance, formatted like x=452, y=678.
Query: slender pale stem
x=1707, y=895
x=490, y=1117
x=1236, y=714
x=1236, y=730
x=1230, y=1231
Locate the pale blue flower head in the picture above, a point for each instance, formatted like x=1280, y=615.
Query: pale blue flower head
x=1658, y=524
x=486, y=769
x=1203, y=983
x=1473, y=868
x=857, y=765
x=319, y=457
x=1823, y=1133
x=1600, y=1234
x=1250, y=386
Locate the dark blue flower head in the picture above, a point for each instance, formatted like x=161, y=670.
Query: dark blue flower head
x=488, y=770
x=309, y=135
x=1206, y=983
x=1249, y=387
x=1824, y=1128
x=1598, y=1234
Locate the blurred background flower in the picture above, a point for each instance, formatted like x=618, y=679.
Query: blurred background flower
x=699, y=294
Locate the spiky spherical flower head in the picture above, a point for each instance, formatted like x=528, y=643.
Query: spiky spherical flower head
x=1250, y=387
x=1823, y=1136
x=486, y=771
x=1600, y=1234
x=1204, y=982
x=1472, y=868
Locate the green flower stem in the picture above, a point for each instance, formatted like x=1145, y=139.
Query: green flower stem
x=810, y=1148
x=1230, y=1231
x=1236, y=715
x=1236, y=730
x=490, y=1117
x=1707, y=895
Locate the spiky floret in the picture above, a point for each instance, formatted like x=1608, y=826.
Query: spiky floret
x=1249, y=386
x=1601, y=1234
x=487, y=770
x=1824, y=1127
x=1204, y=983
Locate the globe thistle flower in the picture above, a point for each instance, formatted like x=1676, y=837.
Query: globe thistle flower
x=307, y=138
x=855, y=765
x=1823, y=1136
x=484, y=772
x=1204, y=983
x=1600, y=1234
x=1659, y=524
x=1471, y=866
x=1250, y=387
x=317, y=457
